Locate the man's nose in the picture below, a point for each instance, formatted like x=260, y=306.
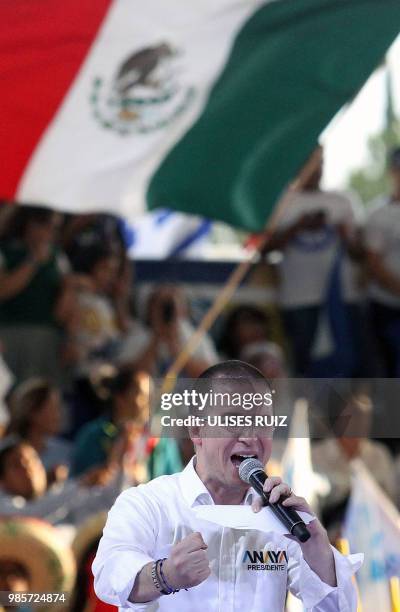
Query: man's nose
x=247, y=437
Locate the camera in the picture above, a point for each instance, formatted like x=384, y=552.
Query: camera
x=168, y=311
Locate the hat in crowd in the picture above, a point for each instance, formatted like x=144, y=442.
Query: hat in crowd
x=394, y=158
x=38, y=547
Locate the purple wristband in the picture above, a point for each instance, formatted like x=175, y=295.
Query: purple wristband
x=162, y=575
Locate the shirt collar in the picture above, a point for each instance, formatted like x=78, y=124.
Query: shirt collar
x=193, y=488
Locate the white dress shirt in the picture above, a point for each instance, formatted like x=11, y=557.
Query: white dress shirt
x=147, y=520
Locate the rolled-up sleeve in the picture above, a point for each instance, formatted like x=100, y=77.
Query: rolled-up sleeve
x=316, y=595
x=125, y=548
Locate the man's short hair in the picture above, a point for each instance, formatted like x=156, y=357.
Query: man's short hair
x=233, y=371
x=232, y=368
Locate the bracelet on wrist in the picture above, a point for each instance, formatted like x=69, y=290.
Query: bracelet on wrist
x=154, y=576
x=167, y=586
x=157, y=580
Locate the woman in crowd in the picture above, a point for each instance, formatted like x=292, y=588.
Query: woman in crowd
x=125, y=425
x=36, y=417
x=100, y=316
x=105, y=329
x=35, y=298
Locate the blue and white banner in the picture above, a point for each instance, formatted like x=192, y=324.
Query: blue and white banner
x=165, y=233
x=372, y=526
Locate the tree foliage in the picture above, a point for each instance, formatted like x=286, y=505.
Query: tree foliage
x=372, y=180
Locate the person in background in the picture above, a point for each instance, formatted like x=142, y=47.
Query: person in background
x=382, y=239
x=81, y=233
x=268, y=357
x=101, y=315
x=127, y=418
x=244, y=325
x=35, y=297
x=332, y=457
x=320, y=244
x=36, y=417
x=168, y=330
x=25, y=490
x=105, y=330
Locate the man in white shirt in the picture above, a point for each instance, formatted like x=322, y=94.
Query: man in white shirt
x=315, y=228
x=382, y=238
x=206, y=562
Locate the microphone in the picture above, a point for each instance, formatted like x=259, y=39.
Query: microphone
x=252, y=472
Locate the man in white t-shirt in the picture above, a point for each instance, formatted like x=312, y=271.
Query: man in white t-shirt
x=313, y=228
x=382, y=238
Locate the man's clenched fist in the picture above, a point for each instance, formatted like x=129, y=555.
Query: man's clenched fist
x=187, y=565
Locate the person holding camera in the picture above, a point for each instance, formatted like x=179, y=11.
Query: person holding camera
x=168, y=330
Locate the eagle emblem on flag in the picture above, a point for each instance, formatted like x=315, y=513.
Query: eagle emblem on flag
x=144, y=94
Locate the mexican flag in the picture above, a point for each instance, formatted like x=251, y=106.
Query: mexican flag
x=207, y=107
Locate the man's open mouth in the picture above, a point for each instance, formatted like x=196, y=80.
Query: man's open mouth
x=238, y=458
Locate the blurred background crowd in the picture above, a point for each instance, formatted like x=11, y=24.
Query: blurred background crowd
x=82, y=341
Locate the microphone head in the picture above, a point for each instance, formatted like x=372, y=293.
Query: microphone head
x=248, y=467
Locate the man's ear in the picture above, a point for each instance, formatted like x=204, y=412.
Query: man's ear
x=194, y=434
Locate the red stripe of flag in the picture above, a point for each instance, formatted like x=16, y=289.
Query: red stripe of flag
x=42, y=46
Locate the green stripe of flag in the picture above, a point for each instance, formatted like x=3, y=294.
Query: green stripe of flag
x=293, y=65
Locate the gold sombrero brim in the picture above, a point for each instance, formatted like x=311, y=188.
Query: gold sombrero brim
x=38, y=546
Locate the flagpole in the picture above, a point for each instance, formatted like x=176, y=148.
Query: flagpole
x=394, y=584
x=238, y=274
x=343, y=546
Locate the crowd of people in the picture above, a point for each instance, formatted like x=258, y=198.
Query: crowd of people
x=78, y=355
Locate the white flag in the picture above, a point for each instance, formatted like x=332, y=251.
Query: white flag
x=296, y=462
